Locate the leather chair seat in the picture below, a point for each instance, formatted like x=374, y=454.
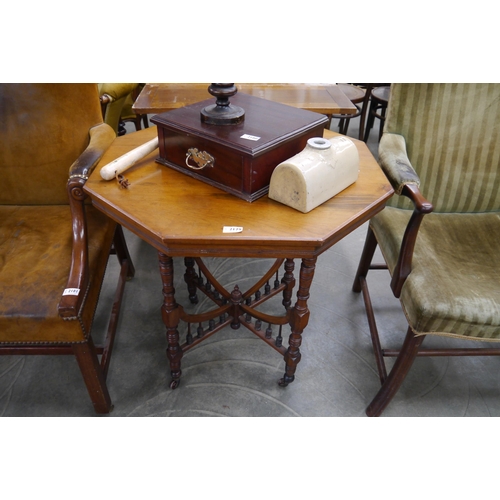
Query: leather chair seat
x=464, y=299
x=36, y=245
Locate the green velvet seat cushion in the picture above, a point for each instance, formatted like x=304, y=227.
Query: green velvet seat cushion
x=454, y=286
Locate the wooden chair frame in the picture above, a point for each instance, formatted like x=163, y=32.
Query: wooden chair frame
x=70, y=307
x=390, y=383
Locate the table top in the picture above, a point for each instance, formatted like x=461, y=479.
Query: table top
x=321, y=98
x=182, y=216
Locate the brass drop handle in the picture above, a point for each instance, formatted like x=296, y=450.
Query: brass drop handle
x=201, y=158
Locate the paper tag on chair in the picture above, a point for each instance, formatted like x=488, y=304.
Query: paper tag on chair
x=71, y=291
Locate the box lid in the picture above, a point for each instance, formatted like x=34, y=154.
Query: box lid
x=266, y=124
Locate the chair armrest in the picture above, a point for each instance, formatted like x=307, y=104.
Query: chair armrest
x=113, y=97
x=403, y=265
x=74, y=294
x=101, y=137
x=395, y=163
x=420, y=203
x=76, y=287
x=405, y=181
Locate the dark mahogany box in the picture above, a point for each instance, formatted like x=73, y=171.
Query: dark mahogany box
x=238, y=159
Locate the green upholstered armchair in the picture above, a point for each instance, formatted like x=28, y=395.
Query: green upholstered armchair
x=440, y=238
x=53, y=246
x=117, y=100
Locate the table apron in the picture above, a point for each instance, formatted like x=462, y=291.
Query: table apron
x=281, y=250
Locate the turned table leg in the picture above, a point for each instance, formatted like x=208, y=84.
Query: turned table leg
x=170, y=316
x=299, y=317
x=289, y=281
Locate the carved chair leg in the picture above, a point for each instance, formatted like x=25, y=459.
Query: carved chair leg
x=398, y=373
x=122, y=252
x=366, y=259
x=93, y=376
x=372, y=325
x=369, y=122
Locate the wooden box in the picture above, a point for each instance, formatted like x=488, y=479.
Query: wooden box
x=238, y=159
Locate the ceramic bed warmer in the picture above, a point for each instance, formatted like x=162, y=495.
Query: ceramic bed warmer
x=316, y=174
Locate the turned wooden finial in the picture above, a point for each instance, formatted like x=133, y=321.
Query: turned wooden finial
x=222, y=112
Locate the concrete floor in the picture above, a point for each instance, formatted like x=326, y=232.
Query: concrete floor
x=235, y=374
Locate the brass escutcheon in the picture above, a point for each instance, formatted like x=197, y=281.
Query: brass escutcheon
x=201, y=158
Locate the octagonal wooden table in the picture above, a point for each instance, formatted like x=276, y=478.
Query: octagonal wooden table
x=184, y=217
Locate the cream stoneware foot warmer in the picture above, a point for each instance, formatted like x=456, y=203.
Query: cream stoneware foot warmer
x=316, y=174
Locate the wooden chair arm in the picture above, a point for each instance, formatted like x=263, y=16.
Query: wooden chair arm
x=403, y=265
x=105, y=99
x=393, y=159
x=78, y=280
x=101, y=137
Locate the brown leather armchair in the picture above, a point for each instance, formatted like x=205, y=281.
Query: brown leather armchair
x=53, y=246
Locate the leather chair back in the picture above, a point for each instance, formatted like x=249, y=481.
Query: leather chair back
x=46, y=129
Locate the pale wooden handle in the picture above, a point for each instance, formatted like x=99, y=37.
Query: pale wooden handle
x=111, y=170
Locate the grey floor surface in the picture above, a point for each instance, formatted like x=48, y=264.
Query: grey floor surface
x=235, y=374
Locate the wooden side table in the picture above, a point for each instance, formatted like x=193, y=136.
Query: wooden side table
x=184, y=217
